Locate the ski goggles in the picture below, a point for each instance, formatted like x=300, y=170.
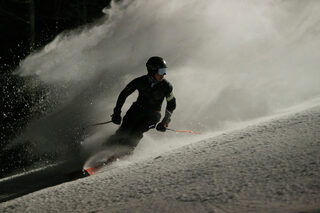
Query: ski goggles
x=162, y=71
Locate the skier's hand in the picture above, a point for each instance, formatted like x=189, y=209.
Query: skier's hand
x=116, y=118
x=162, y=127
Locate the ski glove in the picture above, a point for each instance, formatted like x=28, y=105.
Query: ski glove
x=162, y=127
x=116, y=118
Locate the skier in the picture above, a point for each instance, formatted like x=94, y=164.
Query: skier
x=144, y=113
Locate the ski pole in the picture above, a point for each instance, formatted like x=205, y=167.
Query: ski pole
x=185, y=131
x=102, y=123
x=97, y=124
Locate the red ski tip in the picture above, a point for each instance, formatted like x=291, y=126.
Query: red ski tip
x=93, y=170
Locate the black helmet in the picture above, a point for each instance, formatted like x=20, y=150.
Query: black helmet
x=154, y=64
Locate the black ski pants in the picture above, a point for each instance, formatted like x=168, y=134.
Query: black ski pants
x=137, y=121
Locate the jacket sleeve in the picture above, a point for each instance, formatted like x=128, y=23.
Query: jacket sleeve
x=171, y=105
x=128, y=90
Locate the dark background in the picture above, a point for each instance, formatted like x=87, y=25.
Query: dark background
x=28, y=25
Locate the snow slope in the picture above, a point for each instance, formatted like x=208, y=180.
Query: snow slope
x=273, y=166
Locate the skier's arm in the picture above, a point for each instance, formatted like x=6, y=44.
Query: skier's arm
x=128, y=90
x=171, y=105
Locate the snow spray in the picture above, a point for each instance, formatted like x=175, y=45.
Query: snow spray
x=228, y=61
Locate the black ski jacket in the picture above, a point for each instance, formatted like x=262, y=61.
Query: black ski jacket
x=151, y=95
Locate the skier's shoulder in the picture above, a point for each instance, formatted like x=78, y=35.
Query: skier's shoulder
x=139, y=80
x=142, y=78
x=168, y=86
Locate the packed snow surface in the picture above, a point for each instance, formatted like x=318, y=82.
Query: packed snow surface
x=271, y=166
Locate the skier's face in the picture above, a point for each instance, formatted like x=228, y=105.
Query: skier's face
x=158, y=77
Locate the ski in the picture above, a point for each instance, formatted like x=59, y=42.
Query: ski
x=96, y=168
x=92, y=170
